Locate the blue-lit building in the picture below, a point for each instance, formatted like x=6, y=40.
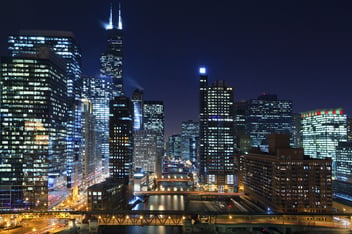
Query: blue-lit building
x=137, y=99
x=216, y=126
x=121, y=139
x=153, y=120
x=99, y=91
x=111, y=61
x=33, y=129
x=64, y=44
x=322, y=131
x=265, y=115
x=174, y=146
x=190, y=141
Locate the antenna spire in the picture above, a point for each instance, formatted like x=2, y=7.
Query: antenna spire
x=120, y=18
x=110, y=25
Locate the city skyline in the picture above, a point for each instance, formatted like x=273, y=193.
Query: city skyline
x=299, y=51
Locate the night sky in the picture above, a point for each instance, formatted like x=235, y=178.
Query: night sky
x=299, y=50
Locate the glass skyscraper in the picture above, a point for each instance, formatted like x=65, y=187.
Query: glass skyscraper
x=190, y=141
x=216, y=134
x=265, y=115
x=33, y=133
x=111, y=60
x=64, y=44
x=322, y=132
x=153, y=120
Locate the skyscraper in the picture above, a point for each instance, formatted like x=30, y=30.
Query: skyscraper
x=153, y=120
x=99, y=91
x=111, y=61
x=217, y=134
x=64, y=44
x=322, y=132
x=174, y=146
x=144, y=151
x=121, y=138
x=190, y=141
x=33, y=132
x=267, y=114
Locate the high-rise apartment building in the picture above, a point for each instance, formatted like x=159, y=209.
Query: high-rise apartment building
x=285, y=180
x=64, y=44
x=153, y=120
x=216, y=134
x=111, y=61
x=267, y=114
x=190, y=141
x=322, y=132
x=33, y=132
x=121, y=138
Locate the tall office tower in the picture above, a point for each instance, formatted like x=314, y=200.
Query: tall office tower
x=63, y=44
x=111, y=59
x=217, y=134
x=174, y=146
x=33, y=133
x=91, y=165
x=267, y=114
x=153, y=120
x=99, y=91
x=144, y=151
x=190, y=141
x=285, y=180
x=242, y=139
x=121, y=138
x=322, y=132
x=297, y=136
x=137, y=99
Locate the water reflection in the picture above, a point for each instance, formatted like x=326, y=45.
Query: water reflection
x=162, y=202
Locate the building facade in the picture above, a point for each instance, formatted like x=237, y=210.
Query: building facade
x=121, y=139
x=190, y=141
x=216, y=134
x=137, y=99
x=64, y=44
x=174, y=146
x=322, y=132
x=153, y=120
x=284, y=180
x=33, y=132
x=266, y=115
x=145, y=151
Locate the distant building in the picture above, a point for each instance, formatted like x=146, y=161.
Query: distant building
x=145, y=151
x=64, y=44
x=242, y=139
x=153, y=120
x=121, y=139
x=349, y=129
x=342, y=186
x=285, y=180
x=137, y=100
x=322, y=132
x=190, y=141
x=266, y=115
x=91, y=165
x=297, y=135
x=33, y=129
x=174, y=146
x=216, y=127
x=98, y=90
